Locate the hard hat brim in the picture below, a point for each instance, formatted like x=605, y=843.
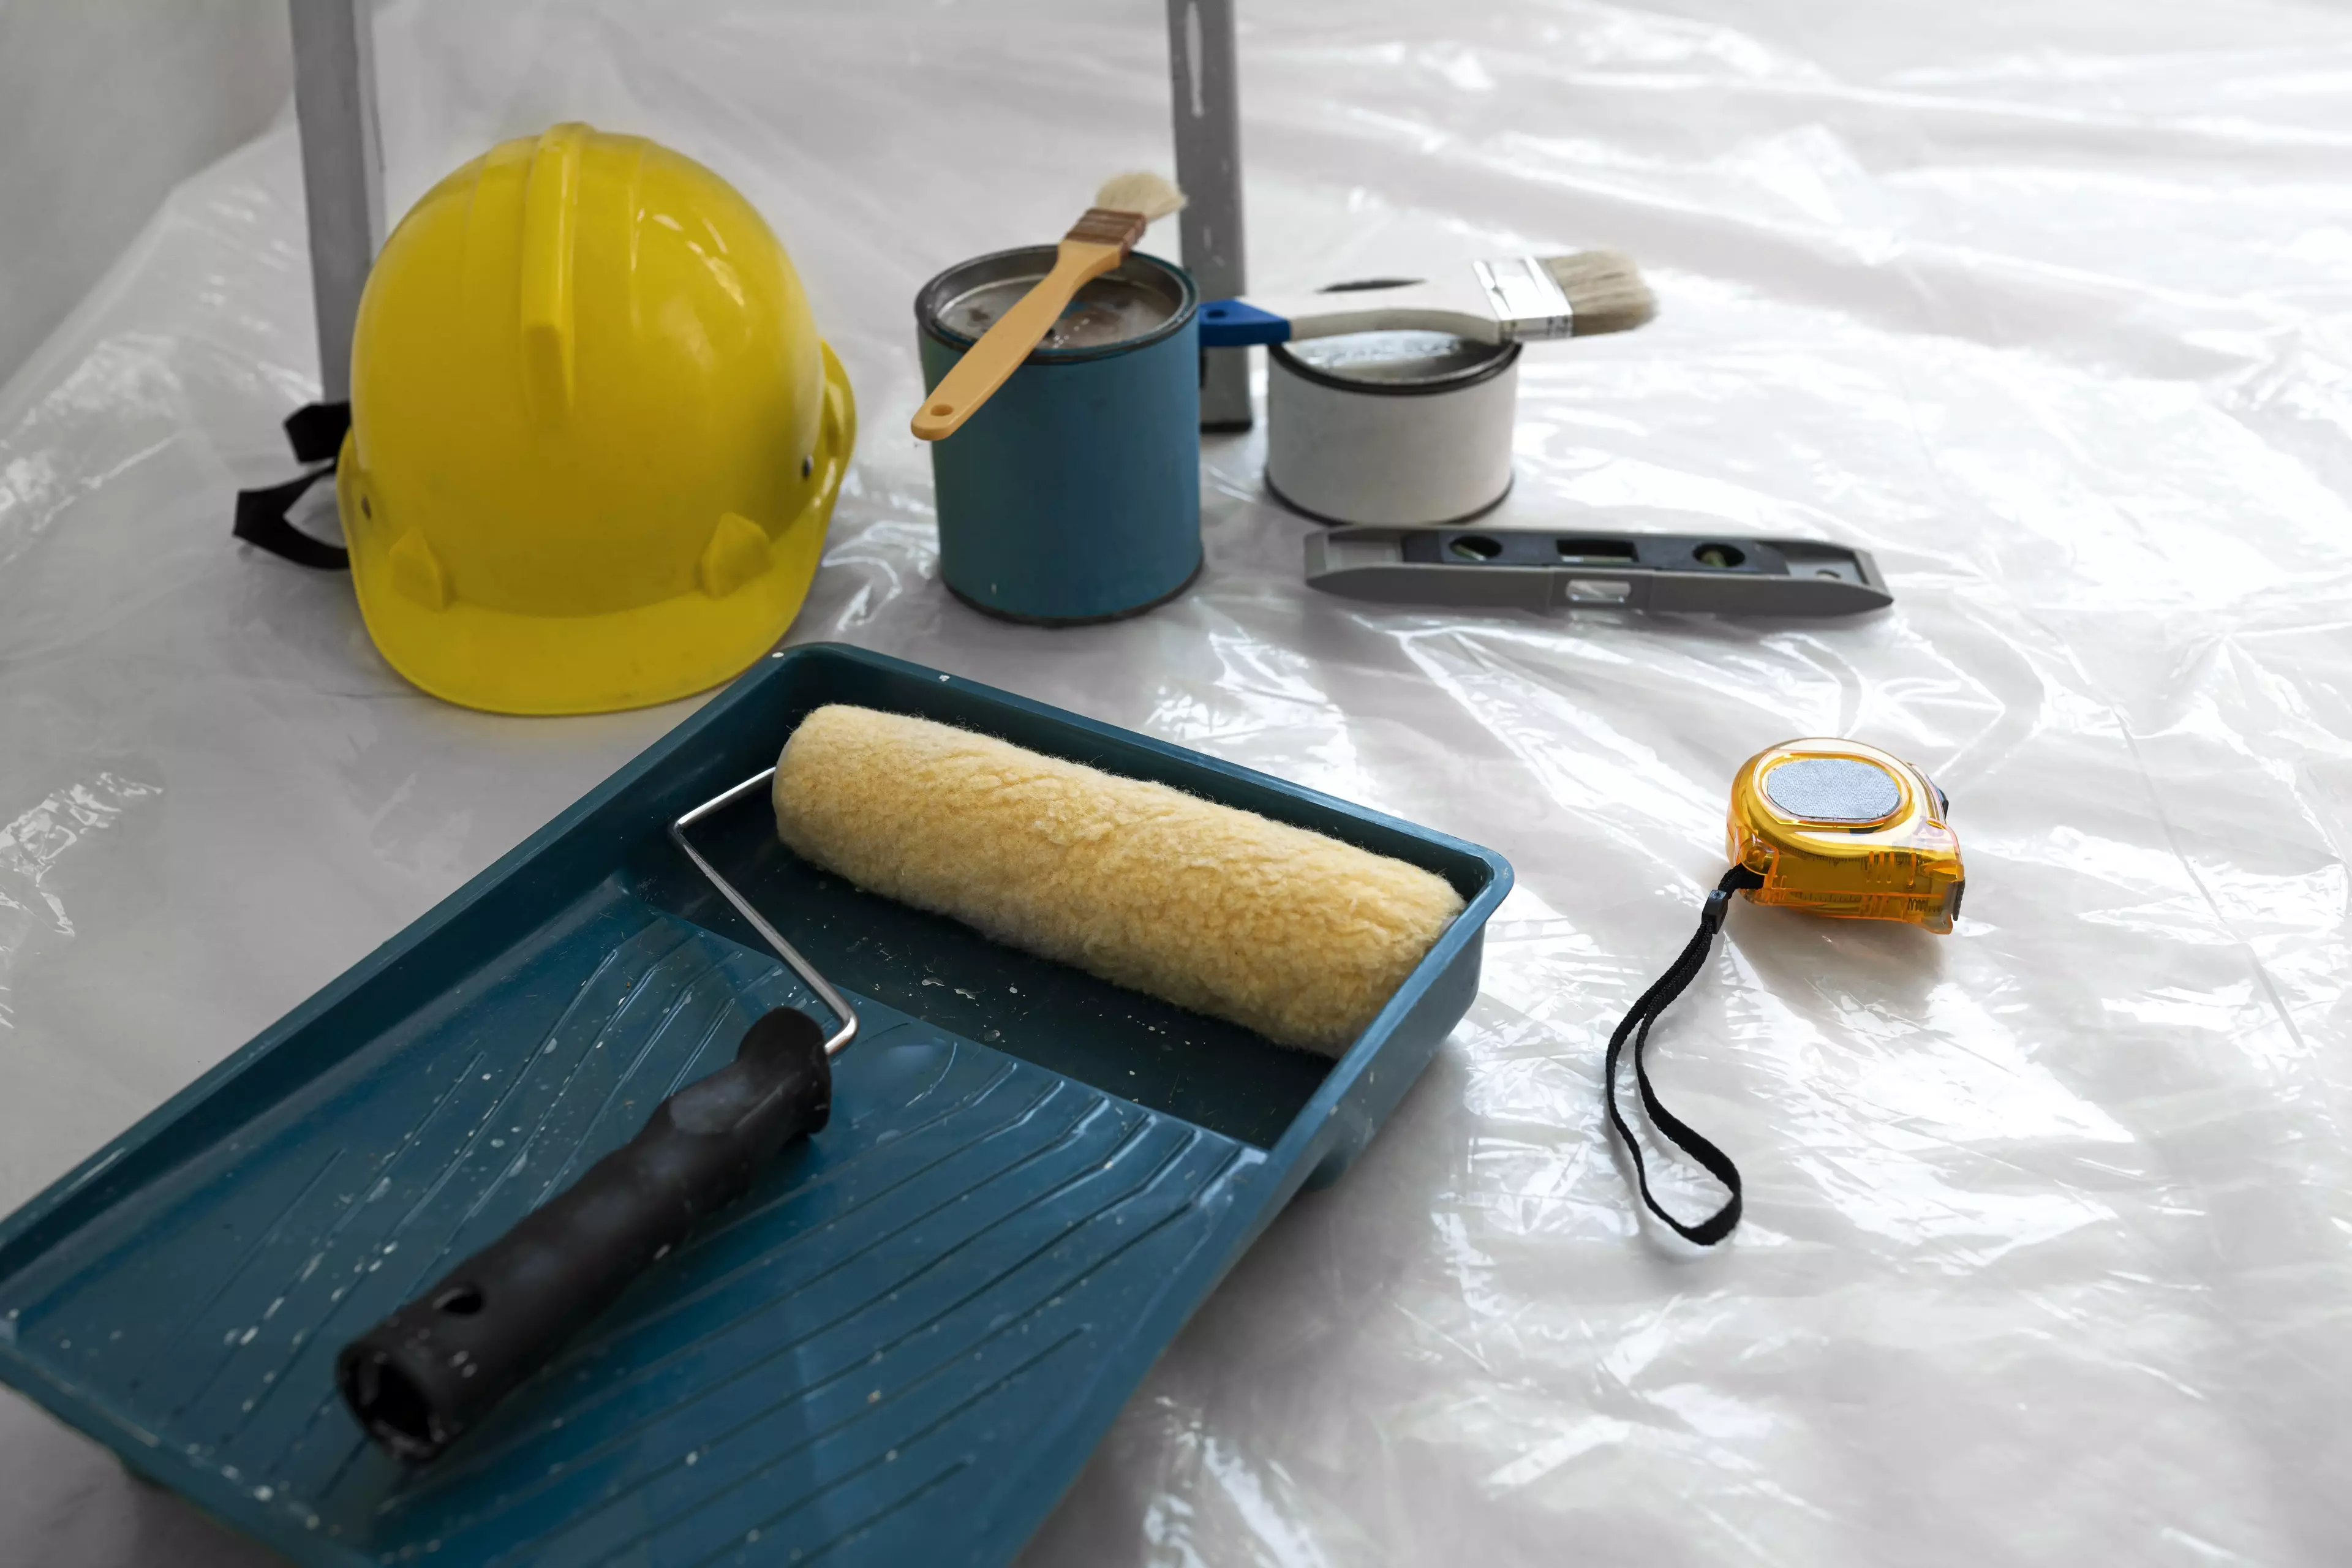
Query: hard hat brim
x=501, y=661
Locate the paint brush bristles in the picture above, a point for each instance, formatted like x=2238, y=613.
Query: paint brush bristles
x=1142, y=193
x=1124, y=208
x=1605, y=291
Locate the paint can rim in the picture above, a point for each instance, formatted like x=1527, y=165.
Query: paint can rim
x=933, y=298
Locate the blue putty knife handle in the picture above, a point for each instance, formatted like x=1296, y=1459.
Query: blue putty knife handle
x=1237, y=324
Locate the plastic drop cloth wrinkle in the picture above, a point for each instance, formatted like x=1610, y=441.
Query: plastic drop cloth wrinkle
x=2048, y=1255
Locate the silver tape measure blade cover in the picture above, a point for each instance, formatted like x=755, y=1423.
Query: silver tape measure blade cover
x=1833, y=789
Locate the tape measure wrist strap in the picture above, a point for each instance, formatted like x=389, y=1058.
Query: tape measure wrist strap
x=1636, y=1028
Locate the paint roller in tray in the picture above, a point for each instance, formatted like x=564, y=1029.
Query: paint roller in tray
x=1286, y=932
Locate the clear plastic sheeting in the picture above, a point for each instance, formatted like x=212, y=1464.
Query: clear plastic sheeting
x=2049, y=1246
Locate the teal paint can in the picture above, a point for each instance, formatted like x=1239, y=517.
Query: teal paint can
x=1074, y=494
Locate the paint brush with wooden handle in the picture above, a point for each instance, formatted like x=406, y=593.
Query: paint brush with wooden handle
x=1098, y=242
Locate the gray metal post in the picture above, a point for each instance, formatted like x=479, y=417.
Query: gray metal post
x=1207, y=100
x=342, y=170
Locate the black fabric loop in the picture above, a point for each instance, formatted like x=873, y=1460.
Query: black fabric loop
x=261, y=522
x=1645, y=1013
x=316, y=432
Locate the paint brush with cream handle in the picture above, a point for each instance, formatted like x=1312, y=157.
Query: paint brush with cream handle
x=1124, y=207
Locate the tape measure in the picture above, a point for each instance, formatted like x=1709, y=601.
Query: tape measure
x=1832, y=826
x=1847, y=830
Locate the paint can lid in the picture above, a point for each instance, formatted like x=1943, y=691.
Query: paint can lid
x=1401, y=361
x=1110, y=311
x=1392, y=358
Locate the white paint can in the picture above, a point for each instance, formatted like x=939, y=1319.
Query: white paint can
x=1405, y=427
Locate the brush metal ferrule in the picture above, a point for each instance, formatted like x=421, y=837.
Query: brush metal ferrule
x=1109, y=225
x=1526, y=300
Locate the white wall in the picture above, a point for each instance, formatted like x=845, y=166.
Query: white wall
x=105, y=105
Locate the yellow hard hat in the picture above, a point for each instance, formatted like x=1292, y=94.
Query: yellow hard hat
x=595, y=438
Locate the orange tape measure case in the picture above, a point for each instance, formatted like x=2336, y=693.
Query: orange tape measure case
x=1847, y=830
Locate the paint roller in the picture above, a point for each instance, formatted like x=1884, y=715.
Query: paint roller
x=1288, y=932
x=1285, y=932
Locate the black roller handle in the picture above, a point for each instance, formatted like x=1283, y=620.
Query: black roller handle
x=423, y=1375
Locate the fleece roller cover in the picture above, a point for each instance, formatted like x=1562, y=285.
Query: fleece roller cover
x=1288, y=932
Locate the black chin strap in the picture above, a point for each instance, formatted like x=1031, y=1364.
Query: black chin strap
x=315, y=433
x=1655, y=1001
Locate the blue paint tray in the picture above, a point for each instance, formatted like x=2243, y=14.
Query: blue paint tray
x=899, y=1347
